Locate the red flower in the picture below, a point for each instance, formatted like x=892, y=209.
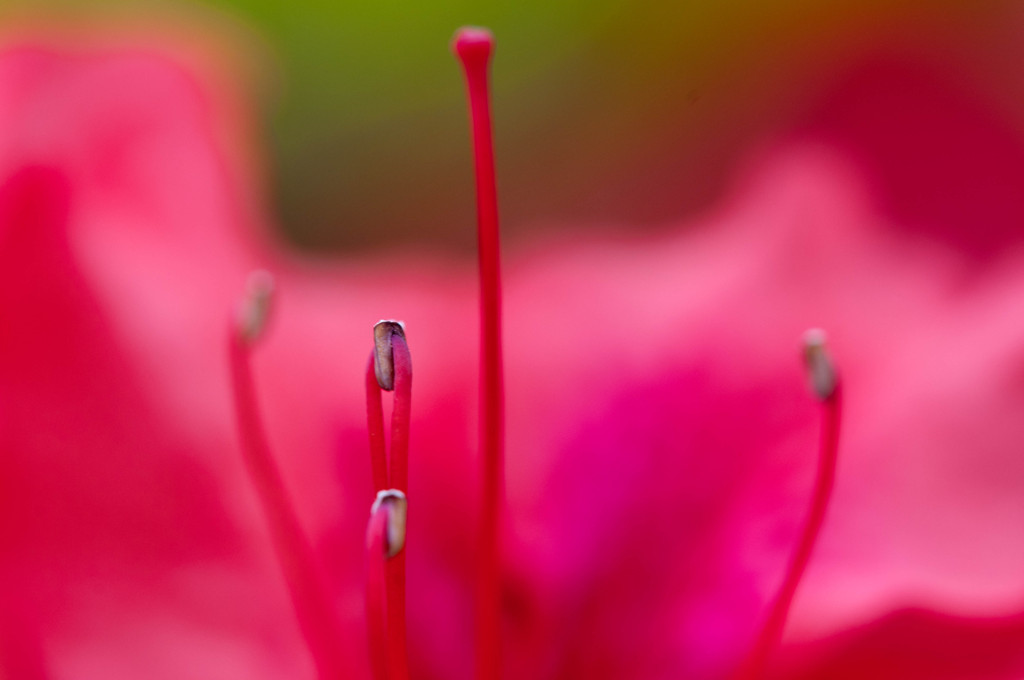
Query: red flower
x=660, y=444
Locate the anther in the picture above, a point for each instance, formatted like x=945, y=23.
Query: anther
x=254, y=309
x=383, y=357
x=397, y=506
x=820, y=370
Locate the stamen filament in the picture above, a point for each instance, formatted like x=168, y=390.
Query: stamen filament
x=398, y=656
x=375, y=426
x=474, y=47
x=827, y=388
x=307, y=588
x=376, y=597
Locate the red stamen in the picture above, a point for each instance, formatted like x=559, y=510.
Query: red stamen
x=391, y=369
x=474, y=47
x=306, y=585
x=828, y=390
x=385, y=542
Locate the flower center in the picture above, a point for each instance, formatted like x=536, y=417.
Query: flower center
x=390, y=370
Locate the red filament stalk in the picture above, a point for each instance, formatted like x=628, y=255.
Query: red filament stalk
x=474, y=47
x=771, y=633
x=376, y=596
x=375, y=425
x=398, y=657
x=306, y=585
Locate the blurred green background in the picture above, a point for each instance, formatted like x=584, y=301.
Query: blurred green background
x=609, y=113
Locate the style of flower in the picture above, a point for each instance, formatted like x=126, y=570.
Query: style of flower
x=660, y=441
